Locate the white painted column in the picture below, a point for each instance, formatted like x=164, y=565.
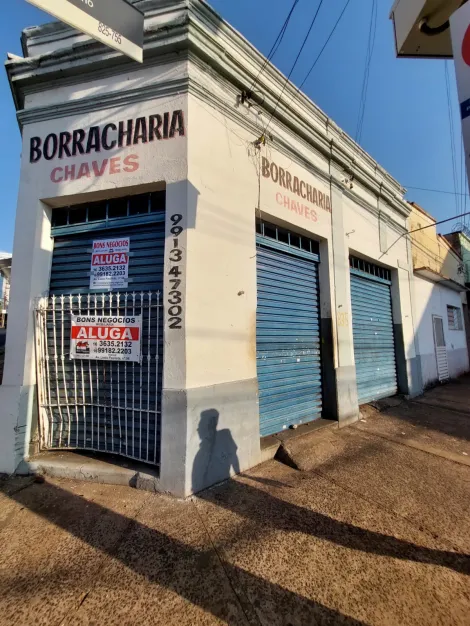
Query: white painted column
x=32, y=255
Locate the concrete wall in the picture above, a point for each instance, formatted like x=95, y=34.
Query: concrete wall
x=432, y=299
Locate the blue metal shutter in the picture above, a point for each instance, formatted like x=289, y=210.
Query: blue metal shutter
x=70, y=275
x=287, y=339
x=71, y=260
x=374, y=348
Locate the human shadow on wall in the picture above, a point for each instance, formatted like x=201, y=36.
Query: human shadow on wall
x=217, y=454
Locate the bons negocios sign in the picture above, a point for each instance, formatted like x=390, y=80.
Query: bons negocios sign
x=106, y=337
x=110, y=264
x=116, y=23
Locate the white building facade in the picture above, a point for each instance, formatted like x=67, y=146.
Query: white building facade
x=259, y=254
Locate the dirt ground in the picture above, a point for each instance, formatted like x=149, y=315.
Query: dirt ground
x=375, y=530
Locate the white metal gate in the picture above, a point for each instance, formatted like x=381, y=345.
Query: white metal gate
x=103, y=406
x=441, y=349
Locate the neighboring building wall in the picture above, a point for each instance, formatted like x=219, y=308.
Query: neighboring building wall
x=461, y=243
x=437, y=253
x=465, y=252
x=433, y=299
x=430, y=249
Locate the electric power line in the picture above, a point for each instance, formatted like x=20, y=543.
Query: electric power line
x=415, y=230
x=365, y=82
x=452, y=138
x=294, y=64
x=324, y=45
x=276, y=44
x=452, y=193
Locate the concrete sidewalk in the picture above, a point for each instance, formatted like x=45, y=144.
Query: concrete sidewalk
x=376, y=530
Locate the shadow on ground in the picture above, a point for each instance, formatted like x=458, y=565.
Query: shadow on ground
x=191, y=573
x=195, y=573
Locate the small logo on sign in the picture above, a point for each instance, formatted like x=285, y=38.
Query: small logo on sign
x=83, y=347
x=466, y=46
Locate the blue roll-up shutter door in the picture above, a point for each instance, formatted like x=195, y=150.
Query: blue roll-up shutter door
x=374, y=349
x=70, y=272
x=288, y=339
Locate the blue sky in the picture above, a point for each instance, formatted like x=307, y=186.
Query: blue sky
x=406, y=123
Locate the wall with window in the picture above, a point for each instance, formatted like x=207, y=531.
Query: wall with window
x=434, y=299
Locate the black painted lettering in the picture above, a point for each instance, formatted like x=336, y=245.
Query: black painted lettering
x=35, y=152
x=140, y=133
x=282, y=179
x=64, y=139
x=265, y=168
x=296, y=188
x=309, y=193
x=166, y=125
x=105, y=138
x=155, y=127
x=78, y=138
x=51, y=145
x=125, y=133
x=274, y=172
x=94, y=140
x=289, y=181
x=177, y=124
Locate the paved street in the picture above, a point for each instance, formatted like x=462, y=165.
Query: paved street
x=376, y=530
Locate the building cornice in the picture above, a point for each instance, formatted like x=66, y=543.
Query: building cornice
x=176, y=87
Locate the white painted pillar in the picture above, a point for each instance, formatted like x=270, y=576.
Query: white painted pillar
x=32, y=255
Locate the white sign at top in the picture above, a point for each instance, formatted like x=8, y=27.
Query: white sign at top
x=110, y=264
x=115, y=23
x=460, y=33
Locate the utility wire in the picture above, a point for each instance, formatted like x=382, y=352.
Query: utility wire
x=324, y=45
x=449, y=219
x=294, y=65
x=276, y=44
x=452, y=138
x=452, y=193
x=365, y=82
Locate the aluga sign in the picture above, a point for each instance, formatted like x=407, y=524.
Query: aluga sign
x=106, y=337
x=115, y=23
